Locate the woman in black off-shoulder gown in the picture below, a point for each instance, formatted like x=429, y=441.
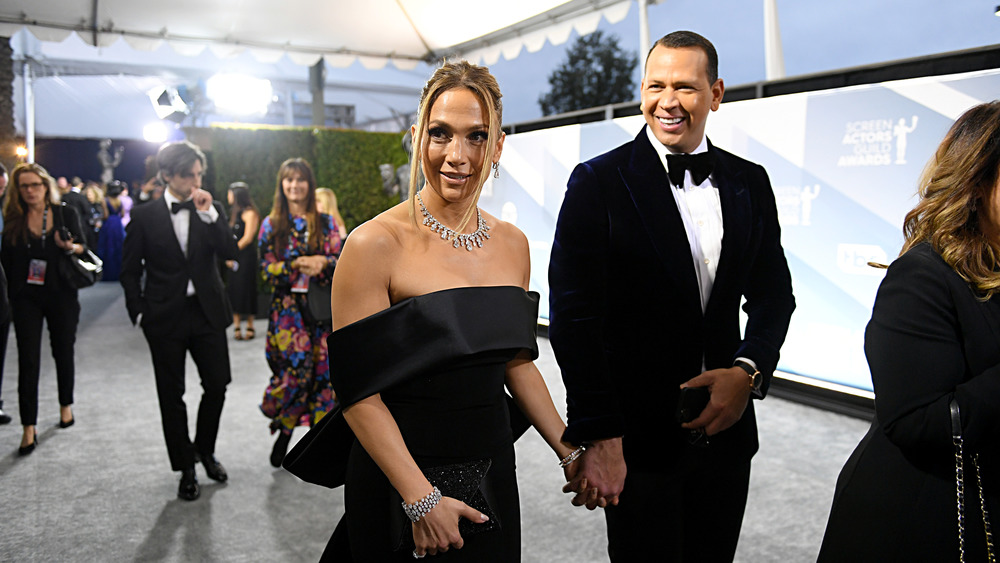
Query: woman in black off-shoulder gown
x=442, y=358
x=431, y=325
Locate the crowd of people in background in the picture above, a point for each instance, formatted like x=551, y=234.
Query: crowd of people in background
x=290, y=255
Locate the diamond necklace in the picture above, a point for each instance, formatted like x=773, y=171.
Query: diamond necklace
x=458, y=241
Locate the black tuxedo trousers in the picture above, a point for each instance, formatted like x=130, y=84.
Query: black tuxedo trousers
x=210, y=352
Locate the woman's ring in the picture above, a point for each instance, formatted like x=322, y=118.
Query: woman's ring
x=418, y=555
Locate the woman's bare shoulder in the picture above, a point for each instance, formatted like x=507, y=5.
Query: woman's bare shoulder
x=382, y=233
x=248, y=214
x=514, y=251
x=506, y=233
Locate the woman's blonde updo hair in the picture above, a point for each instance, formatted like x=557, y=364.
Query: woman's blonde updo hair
x=480, y=82
x=955, y=190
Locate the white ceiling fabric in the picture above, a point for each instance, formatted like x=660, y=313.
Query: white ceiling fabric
x=374, y=32
x=181, y=42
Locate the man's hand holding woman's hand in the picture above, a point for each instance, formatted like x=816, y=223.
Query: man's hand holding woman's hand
x=597, y=477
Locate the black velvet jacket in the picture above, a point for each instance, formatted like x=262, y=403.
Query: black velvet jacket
x=627, y=326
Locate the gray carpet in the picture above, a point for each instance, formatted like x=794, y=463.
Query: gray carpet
x=102, y=490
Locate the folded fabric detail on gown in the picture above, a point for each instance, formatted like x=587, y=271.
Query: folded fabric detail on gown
x=453, y=328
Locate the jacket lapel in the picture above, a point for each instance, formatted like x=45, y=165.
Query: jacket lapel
x=734, y=196
x=646, y=180
x=194, y=224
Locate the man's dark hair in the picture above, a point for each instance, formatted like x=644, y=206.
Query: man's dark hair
x=690, y=39
x=178, y=158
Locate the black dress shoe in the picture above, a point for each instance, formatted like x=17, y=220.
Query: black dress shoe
x=280, y=448
x=188, y=489
x=4, y=417
x=67, y=423
x=214, y=469
x=25, y=450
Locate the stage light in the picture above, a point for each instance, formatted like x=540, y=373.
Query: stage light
x=155, y=132
x=167, y=104
x=21, y=152
x=238, y=94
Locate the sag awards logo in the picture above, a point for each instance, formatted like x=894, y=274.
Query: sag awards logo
x=795, y=204
x=876, y=142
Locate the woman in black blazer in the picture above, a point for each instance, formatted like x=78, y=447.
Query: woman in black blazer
x=32, y=247
x=933, y=340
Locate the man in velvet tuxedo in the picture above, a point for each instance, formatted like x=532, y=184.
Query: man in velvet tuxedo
x=653, y=253
x=178, y=242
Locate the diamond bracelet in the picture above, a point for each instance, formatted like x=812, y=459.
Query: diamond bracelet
x=573, y=456
x=419, y=509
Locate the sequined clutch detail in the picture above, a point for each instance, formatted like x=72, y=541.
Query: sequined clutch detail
x=460, y=481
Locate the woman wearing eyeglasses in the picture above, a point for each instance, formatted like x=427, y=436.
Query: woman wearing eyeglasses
x=33, y=243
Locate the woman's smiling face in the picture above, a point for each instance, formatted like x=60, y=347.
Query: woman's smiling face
x=296, y=188
x=455, y=144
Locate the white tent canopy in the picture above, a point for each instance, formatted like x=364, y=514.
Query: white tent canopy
x=89, y=62
x=340, y=31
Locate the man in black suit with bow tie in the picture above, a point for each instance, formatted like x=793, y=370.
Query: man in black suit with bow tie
x=178, y=242
x=657, y=243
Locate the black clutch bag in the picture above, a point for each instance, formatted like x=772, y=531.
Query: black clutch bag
x=462, y=481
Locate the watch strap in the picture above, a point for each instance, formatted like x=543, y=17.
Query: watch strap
x=755, y=376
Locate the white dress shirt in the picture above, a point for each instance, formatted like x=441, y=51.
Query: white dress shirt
x=701, y=211
x=182, y=222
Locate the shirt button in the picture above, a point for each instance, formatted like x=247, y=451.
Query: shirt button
x=707, y=260
x=701, y=223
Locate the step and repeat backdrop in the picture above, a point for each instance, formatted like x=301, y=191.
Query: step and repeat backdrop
x=844, y=166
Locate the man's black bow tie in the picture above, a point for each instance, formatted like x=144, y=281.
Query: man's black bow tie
x=700, y=165
x=175, y=207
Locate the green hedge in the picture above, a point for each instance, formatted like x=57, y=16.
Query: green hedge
x=347, y=162
x=343, y=160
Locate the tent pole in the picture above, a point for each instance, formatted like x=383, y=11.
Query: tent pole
x=93, y=22
x=774, y=57
x=317, y=84
x=29, y=112
x=643, y=29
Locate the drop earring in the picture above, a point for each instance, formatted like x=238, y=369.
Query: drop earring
x=496, y=169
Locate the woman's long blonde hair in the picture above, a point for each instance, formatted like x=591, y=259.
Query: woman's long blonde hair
x=480, y=82
x=955, y=191
x=15, y=211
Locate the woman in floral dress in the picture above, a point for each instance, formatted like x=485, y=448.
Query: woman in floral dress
x=298, y=247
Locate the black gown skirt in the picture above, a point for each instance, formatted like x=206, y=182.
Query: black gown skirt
x=439, y=362
x=243, y=282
